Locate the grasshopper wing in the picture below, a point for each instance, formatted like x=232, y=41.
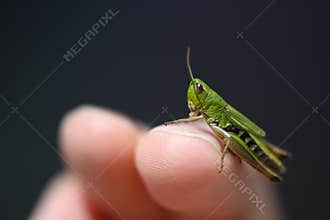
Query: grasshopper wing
x=238, y=118
x=279, y=152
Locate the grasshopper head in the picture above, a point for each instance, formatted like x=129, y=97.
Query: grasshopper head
x=196, y=94
x=197, y=90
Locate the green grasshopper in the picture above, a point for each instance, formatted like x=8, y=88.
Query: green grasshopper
x=240, y=135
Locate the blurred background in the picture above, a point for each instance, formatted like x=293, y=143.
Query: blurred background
x=269, y=59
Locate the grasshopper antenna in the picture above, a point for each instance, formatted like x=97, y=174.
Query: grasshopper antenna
x=188, y=63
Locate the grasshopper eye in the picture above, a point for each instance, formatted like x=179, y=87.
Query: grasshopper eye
x=199, y=88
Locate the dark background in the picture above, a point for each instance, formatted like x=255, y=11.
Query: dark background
x=275, y=74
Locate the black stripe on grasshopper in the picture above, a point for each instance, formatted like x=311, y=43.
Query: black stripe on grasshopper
x=246, y=137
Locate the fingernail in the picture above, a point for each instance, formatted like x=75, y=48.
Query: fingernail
x=189, y=131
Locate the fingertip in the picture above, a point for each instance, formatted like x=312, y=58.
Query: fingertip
x=100, y=146
x=90, y=137
x=64, y=194
x=177, y=164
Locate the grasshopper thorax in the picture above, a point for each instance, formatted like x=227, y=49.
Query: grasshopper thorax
x=197, y=94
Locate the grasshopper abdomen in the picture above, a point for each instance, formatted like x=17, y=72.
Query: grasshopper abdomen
x=254, y=147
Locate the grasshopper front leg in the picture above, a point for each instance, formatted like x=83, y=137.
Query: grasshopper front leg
x=185, y=120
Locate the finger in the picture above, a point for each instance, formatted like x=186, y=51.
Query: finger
x=177, y=164
x=100, y=145
x=64, y=198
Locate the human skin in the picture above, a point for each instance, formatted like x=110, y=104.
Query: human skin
x=117, y=169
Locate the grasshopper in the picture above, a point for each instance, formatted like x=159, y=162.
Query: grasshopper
x=240, y=135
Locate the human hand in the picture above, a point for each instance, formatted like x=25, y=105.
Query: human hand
x=115, y=169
